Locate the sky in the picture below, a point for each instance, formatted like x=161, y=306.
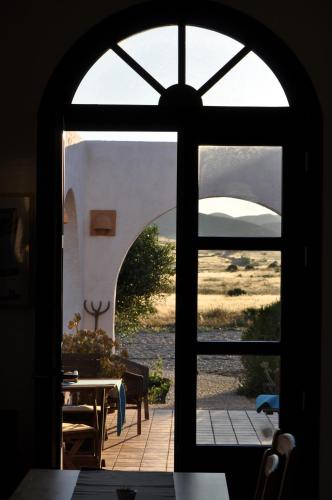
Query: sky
x=231, y=206
x=111, y=81
x=129, y=136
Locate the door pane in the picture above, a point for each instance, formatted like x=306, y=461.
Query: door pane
x=227, y=388
x=238, y=295
x=240, y=191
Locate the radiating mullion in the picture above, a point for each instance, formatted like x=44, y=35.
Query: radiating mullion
x=138, y=68
x=182, y=54
x=223, y=71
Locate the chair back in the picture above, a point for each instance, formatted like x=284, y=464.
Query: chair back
x=284, y=446
x=88, y=365
x=135, y=368
x=269, y=477
x=283, y=443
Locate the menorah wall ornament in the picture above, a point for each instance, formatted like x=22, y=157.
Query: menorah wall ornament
x=96, y=311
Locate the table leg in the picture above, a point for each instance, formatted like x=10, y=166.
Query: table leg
x=102, y=424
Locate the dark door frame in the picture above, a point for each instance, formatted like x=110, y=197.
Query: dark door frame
x=297, y=129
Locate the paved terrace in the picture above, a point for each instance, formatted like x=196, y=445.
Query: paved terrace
x=154, y=448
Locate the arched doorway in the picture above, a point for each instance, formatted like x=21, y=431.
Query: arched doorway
x=194, y=108
x=72, y=278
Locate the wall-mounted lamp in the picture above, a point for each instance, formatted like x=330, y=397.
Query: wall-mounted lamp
x=102, y=222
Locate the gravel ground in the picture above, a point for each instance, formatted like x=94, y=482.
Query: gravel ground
x=215, y=392
x=218, y=375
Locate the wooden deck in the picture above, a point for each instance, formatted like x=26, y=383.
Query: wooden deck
x=235, y=427
x=154, y=448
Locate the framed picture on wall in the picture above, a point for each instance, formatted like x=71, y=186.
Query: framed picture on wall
x=15, y=249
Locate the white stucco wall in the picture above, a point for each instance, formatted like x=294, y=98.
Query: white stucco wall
x=138, y=180
x=72, y=277
x=73, y=242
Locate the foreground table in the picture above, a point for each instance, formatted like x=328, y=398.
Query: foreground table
x=45, y=484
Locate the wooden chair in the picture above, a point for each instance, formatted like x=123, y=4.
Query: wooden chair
x=88, y=366
x=142, y=371
x=269, y=477
x=134, y=395
x=136, y=380
x=284, y=446
x=277, y=471
x=74, y=436
x=135, y=377
x=81, y=442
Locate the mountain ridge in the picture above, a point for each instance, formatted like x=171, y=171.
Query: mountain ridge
x=218, y=224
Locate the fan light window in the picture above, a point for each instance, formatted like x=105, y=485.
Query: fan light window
x=140, y=69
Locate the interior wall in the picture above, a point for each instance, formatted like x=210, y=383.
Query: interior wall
x=34, y=38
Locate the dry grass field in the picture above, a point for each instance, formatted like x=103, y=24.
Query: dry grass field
x=225, y=292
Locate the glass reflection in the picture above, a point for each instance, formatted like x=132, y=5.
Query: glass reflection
x=227, y=412
x=243, y=188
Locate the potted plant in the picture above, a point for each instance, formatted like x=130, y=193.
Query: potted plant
x=158, y=384
x=95, y=345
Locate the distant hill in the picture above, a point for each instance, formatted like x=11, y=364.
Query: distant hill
x=224, y=225
x=220, y=214
x=270, y=222
x=167, y=224
x=274, y=227
x=261, y=219
x=210, y=225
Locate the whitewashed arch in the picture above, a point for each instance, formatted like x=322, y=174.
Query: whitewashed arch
x=72, y=273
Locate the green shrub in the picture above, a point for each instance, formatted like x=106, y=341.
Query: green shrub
x=241, y=261
x=261, y=373
x=158, y=384
x=235, y=292
x=215, y=318
x=146, y=274
x=231, y=268
x=218, y=318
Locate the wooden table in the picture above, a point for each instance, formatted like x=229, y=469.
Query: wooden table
x=101, y=386
x=45, y=484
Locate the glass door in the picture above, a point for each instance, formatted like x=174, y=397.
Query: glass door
x=233, y=345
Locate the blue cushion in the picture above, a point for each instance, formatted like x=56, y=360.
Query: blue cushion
x=268, y=401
